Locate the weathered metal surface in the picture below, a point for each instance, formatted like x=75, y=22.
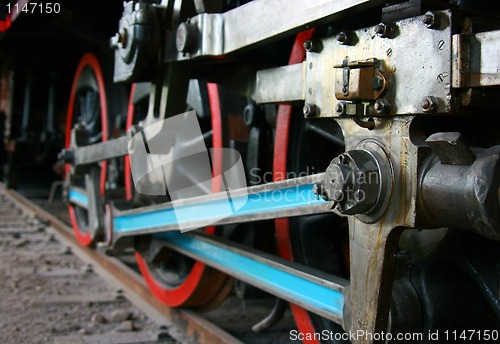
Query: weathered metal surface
x=97, y=152
x=476, y=60
x=374, y=237
x=485, y=59
x=463, y=195
x=283, y=84
x=225, y=33
x=451, y=148
x=416, y=62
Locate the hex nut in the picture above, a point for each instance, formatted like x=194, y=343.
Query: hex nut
x=383, y=30
x=352, y=180
x=345, y=38
x=429, y=104
x=309, y=110
x=308, y=45
x=377, y=83
x=340, y=108
x=186, y=38
x=382, y=106
x=430, y=20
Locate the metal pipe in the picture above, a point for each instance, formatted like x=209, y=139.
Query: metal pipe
x=463, y=196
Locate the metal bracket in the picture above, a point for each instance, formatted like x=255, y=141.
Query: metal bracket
x=224, y=33
x=476, y=61
x=345, y=77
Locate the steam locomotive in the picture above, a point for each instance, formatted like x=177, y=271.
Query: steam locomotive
x=341, y=156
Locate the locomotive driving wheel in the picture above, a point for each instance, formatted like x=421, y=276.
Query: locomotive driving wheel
x=298, y=238
x=88, y=112
x=174, y=279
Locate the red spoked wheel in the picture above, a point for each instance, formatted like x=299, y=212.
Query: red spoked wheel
x=301, y=316
x=176, y=280
x=87, y=107
x=307, y=240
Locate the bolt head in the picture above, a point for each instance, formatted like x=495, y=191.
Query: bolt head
x=383, y=30
x=377, y=83
x=340, y=108
x=380, y=29
x=425, y=103
x=341, y=37
x=67, y=155
x=186, y=38
x=430, y=20
x=429, y=104
x=308, y=45
x=249, y=115
x=309, y=110
x=382, y=106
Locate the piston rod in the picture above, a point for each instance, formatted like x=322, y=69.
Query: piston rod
x=291, y=197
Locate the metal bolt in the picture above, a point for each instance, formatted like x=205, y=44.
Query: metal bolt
x=318, y=189
x=67, y=156
x=382, y=106
x=309, y=110
x=310, y=46
x=249, y=115
x=186, y=38
x=429, y=104
x=344, y=38
x=430, y=20
x=340, y=108
x=383, y=30
x=377, y=83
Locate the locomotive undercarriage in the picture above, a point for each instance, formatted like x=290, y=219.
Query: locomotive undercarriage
x=401, y=106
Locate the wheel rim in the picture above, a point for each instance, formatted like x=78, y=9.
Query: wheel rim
x=287, y=230
x=202, y=287
x=300, y=315
x=83, y=106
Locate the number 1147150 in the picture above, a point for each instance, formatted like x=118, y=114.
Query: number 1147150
x=34, y=7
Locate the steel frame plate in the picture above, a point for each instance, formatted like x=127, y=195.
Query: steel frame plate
x=417, y=61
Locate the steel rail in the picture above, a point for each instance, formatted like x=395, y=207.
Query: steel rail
x=185, y=326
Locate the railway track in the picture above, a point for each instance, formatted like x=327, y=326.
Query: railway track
x=183, y=325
